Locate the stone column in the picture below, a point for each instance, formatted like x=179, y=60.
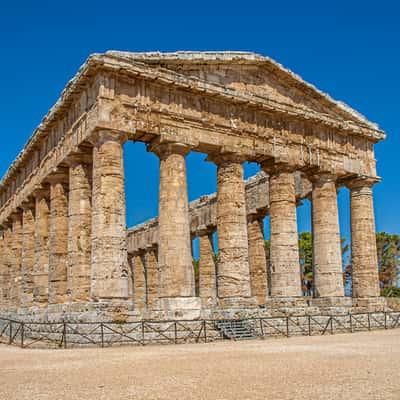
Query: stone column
x=151, y=276
x=41, y=267
x=58, y=239
x=233, y=265
x=284, y=240
x=7, y=257
x=139, y=282
x=109, y=275
x=80, y=226
x=28, y=253
x=1, y=268
x=257, y=259
x=177, y=287
x=363, y=239
x=328, y=273
x=207, y=269
x=16, y=252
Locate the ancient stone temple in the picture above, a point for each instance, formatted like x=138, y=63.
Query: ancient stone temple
x=65, y=249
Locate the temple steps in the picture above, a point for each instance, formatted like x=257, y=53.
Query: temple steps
x=235, y=330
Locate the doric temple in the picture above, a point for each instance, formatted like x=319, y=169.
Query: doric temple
x=65, y=248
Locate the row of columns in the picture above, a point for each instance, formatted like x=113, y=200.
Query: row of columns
x=68, y=243
x=242, y=267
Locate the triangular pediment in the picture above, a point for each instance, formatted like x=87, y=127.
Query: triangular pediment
x=251, y=73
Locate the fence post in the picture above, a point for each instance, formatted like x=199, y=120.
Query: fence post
x=65, y=335
x=205, y=331
x=351, y=323
x=261, y=327
x=102, y=334
x=369, y=321
x=22, y=334
x=287, y=326
x=385, y=319
x=176, y=332
x=309, y=325
x=11, y=332
x=142, y=333
x=331, y=325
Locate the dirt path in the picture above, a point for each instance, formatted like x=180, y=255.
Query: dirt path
x=358, y=367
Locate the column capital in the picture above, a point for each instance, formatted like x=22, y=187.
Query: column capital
x=16, y=215
x=102, y=136
x=163, y=150
x=28, y=204
x=322, y=177
x=254, y=216
x=40, y=191
x=78, y=157
x=58, y=175
x=204, y=230
x=225, y=157
x=272, y=168
x=361, y=181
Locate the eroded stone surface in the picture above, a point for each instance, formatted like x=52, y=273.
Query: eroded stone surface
x=363, y=241
x=284, y=248
x=328, y=274
x=257, y=259
x=109, y=275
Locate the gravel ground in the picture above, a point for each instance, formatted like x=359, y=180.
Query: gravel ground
x=353, y=366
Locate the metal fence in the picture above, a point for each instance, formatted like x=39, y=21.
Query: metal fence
x=107, y=334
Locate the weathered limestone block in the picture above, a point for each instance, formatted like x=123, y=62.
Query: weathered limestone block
x=207, y=269
x=257, y=259
x=80, y=227
x=15, y=274
x=152, y=282
x=284, y=248
x=28, y=253
x=233, y=265
x=109, y=276
x=58, y=242
x=139, y=281
x=328, y=274
x=363, y=241
x=41, y=267
x=6, y=262
x=2, y=288
x=174, y=248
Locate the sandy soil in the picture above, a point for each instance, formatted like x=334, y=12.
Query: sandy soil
x=359, y=366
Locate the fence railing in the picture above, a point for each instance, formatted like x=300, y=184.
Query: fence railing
x=107, y=334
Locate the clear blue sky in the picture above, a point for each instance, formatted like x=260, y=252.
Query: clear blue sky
x=350, y=49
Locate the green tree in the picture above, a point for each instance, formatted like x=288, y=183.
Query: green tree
x=388, y=251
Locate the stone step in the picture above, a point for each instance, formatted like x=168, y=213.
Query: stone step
x=235, y=330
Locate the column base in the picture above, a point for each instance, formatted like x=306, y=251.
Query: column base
x=237, y=302
x=371, y=304
x=331, y=302
x=175, y=308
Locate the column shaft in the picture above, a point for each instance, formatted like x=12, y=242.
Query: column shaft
x=152, y=281
x=328, y=274
x=80, y=228
x=15, y=274
x=1, y=269
x=109, y=276
x=58, y=243
x=41, y=267
x=363, y=241
x=6, y=262
x=174, y=249
x=233, y=265
x=28, y=255
x=257, y=259
x=207, y=270
x=139, y=282
x=284, y=247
